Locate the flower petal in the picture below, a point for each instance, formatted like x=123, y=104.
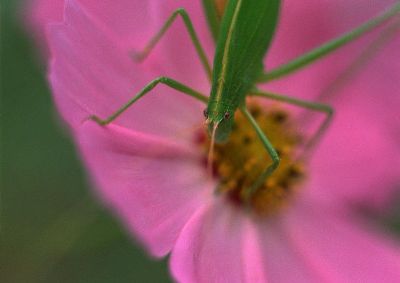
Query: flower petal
x=37, y=14
x=153, y=185
x=359, y=158
x=357, y=161
x=175, y=54
x=132, y=23
x=321, y=21
x=339, y=242
x=217, y=244
x=131, y=14
x=91, y=72
x=282, y=262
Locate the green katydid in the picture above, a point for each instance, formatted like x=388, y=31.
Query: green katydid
x=243, y=36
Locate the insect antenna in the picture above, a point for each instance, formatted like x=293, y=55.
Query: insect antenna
x=210, y=157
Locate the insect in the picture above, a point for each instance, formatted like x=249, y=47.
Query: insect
x=243, y=35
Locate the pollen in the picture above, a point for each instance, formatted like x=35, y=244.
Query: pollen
x=238, y=163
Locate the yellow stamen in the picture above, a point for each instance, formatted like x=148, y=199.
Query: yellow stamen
x=240, y=161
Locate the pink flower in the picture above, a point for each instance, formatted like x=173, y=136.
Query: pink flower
x=147, y=169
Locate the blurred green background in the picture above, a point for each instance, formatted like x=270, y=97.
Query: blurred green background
x=52, y=230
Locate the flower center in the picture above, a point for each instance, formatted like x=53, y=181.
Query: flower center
x=238, y=163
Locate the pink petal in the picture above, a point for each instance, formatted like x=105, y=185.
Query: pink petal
x=377, y=88
x=175, y=55
x=357, y=161
x=285, y=263
x=132, y=23
x=359, y=157
x=318, y=21
x=337, y=243
x=131, y=14
x=91, y=74
x=307, y=25
x=154, y=185
x=37, y=14
x=217, y=245
x=158, y=187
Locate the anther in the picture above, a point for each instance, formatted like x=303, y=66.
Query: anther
x=279, y=117
x=246, y=140
x=239, y=162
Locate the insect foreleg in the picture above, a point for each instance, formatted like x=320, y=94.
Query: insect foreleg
x=141, y=55
x=270, y=149
x=323, y=108
x=163, y=80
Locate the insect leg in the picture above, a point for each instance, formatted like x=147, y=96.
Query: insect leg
x=323, y=108
x=327, y=48
x=359, y=63
x=270, y=149
x=161, y=80
x=141, y=55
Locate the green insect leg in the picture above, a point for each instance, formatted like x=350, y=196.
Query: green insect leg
x=270, y=149
x=330, y=46
x=319, y=107
x=161, y=80
x=359, y=63
x=139, y=56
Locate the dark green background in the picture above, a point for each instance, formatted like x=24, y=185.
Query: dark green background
x=51, y=228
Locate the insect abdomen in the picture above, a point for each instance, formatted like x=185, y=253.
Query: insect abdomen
x=246, y=32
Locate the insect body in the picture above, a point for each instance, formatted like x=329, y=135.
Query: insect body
x=246, y=32
x=243, y=36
